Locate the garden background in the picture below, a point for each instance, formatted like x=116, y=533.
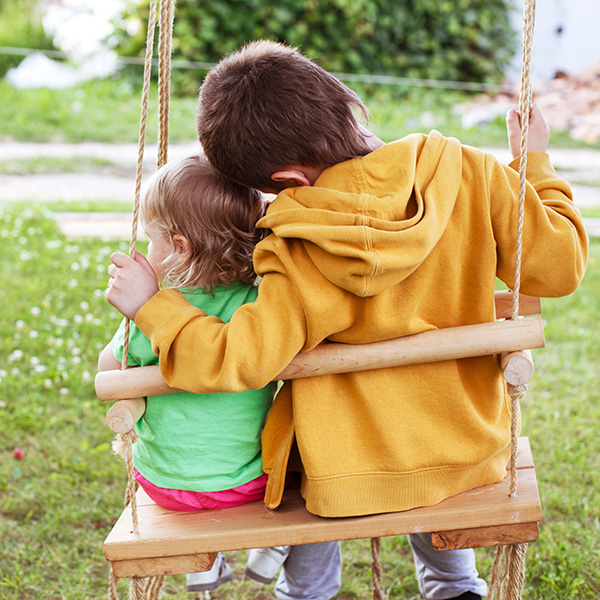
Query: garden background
x=67, y=166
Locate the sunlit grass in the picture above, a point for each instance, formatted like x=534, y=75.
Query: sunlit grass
x=58, y=502
x=109, y=111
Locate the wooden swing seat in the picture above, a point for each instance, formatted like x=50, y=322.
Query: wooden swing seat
x=171, y=542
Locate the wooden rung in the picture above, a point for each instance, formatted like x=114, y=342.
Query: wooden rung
x=164, y=565
x=517, y=367
x=484, y=537
x=164, y=533
x=429, y=346
x=124, y=414
x=528, y=305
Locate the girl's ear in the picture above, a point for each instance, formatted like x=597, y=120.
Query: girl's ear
x=182, y=245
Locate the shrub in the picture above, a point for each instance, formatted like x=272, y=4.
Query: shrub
x=466, y=40
x=20, y=27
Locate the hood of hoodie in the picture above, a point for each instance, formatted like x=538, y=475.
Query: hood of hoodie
x=368, y=223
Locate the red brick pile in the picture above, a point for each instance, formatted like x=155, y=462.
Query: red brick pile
x=570, y=102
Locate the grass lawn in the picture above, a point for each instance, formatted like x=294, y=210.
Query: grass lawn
x=59, y=498
x=109, y=110
x=60, y=495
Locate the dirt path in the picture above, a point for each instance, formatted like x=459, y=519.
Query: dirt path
x=581, y=167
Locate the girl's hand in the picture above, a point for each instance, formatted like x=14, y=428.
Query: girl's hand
x=538, y=135
x=132, y=283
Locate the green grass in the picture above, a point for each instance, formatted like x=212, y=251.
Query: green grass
x=59, y=502
x=43, y=165
x=101, y=111
x=109, y=111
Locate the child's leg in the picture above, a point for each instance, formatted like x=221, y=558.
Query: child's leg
x=263, y=564
x=210, y=580
x=311, y=572
x=444, y=575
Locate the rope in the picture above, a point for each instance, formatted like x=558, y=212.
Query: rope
x=153, y=587
x=376, y=568
x=524, y=111
x=124, y=442
x=165, y=42
x=136, y=589
x=508, y=571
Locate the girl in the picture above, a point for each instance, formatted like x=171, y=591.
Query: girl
x=199, y=451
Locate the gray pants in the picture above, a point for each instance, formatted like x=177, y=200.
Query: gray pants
x=443, y=575
x=314, y=571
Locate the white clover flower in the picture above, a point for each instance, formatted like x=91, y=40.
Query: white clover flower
x=25, y=256
x=64, y=376
x=34, y=361
x=75, y=266
x=89, y=318
x=78, y=319
x=72, y=283
x=35, y=311
x=15, y=371
x=33, y=334
x=63, y=391
x=19, y=324
x=53, y=244
x=22, y=240
x=3, y=373
x=85, y=262
x=76, y=351
x=98, y=322
x=86, y=377
x=15, y=355
x=40, y=369
x=84, y=305
x=48, y=383
x=100, y=269
x=76, y=360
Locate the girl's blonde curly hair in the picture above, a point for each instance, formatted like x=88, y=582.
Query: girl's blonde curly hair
x=218, y=217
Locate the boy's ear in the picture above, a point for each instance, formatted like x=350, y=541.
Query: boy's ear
x=293, y=177
x=182, y=245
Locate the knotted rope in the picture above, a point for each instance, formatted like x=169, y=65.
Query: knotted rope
x=124, y=442
x=508, y=571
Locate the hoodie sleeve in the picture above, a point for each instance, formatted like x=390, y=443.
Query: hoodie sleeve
x=201, y=354
x=555, y=244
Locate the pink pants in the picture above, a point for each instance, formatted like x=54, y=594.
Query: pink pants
x=187, y=500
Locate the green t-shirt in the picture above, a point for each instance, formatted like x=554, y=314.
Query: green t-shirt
x=199, y=442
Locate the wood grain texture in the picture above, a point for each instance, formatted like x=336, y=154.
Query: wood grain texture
x=164, y=533
x=429, y=346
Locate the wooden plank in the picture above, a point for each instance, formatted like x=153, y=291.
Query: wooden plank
x=169, y=533
x=485, y=537
x=528, y=305
x=436, y=345
x=165, y=565
x=429, y=346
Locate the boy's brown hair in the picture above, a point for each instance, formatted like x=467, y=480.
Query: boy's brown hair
x=217, y=216
x=266, y=106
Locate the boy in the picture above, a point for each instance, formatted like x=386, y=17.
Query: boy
x=369, y=242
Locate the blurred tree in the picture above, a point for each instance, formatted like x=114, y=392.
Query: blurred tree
x=20, y=27
x=465, y=40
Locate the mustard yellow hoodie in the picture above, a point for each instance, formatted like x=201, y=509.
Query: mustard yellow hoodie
x=406, y=239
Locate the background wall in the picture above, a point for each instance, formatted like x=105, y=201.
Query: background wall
x=566, y=38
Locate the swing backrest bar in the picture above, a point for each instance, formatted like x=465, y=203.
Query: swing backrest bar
x=429, y=346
